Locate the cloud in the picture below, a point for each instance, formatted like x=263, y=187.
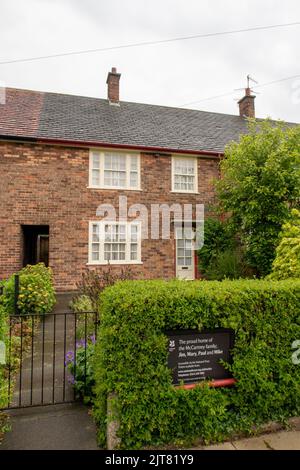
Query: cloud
x=169, y=74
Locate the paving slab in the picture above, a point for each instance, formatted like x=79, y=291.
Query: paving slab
x=284, y=440
x=63, y=300
x=252, y=443
x=280, y=440
x=63, y=427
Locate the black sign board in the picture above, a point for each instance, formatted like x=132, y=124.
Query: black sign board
x=195, y=356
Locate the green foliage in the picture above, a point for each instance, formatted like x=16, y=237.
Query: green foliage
x=3, y=323
x=218, y=237
x=3, y=340
x=287, y=260
x=3, y=375
x=4, y=425
x=226, y=264
x=221, y=256
x=36, y=293
x=82, y=370
x=92, y=283
x=131, y=358
x=82, y=303
x=260, y=182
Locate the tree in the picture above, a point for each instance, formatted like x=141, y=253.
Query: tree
x=287, y=261
x=221, y=255
x=218, y=237
x=260, y=184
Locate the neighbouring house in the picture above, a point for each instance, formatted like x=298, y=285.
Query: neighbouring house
x=62, y=156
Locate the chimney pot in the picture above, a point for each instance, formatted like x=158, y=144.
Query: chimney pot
x=113, y=86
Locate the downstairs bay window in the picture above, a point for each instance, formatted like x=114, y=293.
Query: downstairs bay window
x=114, y=243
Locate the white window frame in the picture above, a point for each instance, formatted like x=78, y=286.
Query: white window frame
x=101, y=224
x=195, y=160
x=128, y=156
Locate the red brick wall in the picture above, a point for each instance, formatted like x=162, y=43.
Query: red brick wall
x=47, y=185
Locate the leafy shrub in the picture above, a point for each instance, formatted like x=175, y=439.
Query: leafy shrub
x=36, y=293
x=92, y=283
x=82, y=370
x=81, y=303
x=260, y=182
x=3, y=346
x=3, y=323
x=227, y=264
x=221, y=255
x=131, y=358
x=4, y=425
x=287, y=260
x=218, y=237
x=3, y=376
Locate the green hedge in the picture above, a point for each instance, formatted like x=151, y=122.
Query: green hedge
x=131, y=357
x=36, y=291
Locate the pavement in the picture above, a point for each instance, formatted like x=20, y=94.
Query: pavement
x=56, y=427
x=278, y=440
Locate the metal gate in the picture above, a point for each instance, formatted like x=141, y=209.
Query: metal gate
x=47, y=355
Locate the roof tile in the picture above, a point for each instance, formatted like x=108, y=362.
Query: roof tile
x=81, y=119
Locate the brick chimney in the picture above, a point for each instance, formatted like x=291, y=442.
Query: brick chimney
x=246, y=104
x=113, y=80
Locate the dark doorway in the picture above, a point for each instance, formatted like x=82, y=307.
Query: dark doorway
x=35, y=244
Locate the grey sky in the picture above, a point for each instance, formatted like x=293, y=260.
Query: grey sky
x=169, y=74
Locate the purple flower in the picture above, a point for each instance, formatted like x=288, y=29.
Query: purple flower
x=80, y=343
x=69, y=357
x=93, y=339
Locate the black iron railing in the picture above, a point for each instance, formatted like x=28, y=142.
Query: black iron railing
x=38, y=373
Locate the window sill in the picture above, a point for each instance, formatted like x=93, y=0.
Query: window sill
x=185, y=192
x=114, y=263
x=113, y=188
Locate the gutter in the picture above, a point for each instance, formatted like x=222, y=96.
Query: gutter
x=75, y=143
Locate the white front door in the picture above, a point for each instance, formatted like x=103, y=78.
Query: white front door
x=185, y=254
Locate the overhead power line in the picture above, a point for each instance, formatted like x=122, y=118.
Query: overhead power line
x=277, y=81
x=148, y=43
x=233, y=92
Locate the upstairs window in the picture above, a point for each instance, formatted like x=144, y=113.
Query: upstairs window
x=184, y=175
x=114, y=170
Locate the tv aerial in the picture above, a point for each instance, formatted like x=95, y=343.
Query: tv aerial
x=248, y=89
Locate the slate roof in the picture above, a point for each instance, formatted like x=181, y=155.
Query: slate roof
x=75, y=118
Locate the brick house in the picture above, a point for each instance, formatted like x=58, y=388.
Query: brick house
x=62, y=156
